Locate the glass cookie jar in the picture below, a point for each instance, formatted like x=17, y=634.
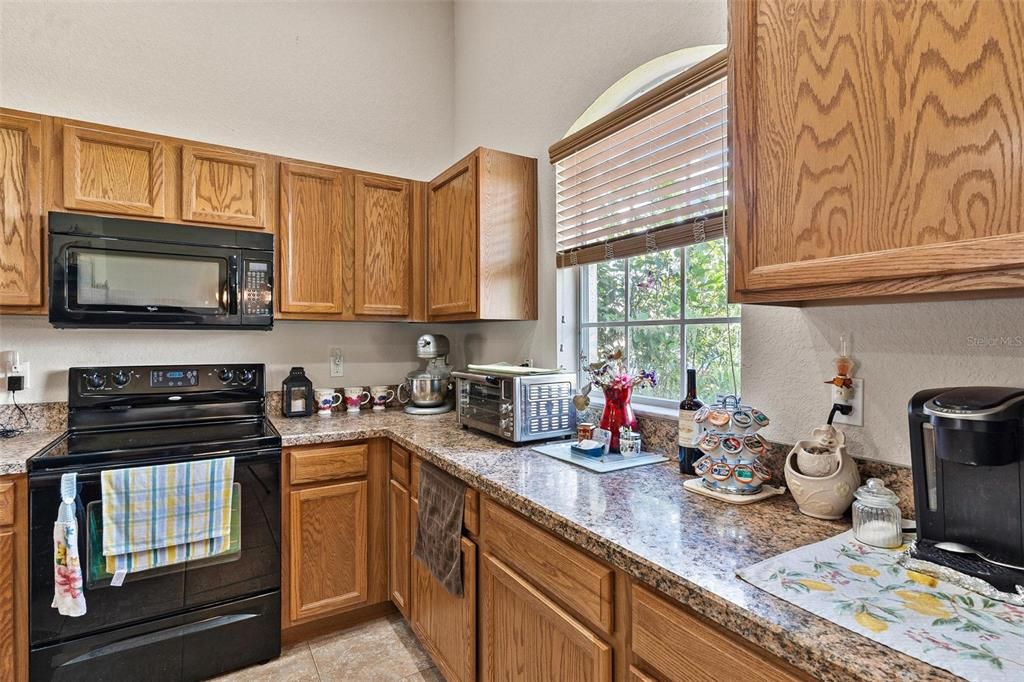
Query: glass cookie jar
x=876, y=515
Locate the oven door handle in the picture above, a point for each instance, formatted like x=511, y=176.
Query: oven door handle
x=90, y=473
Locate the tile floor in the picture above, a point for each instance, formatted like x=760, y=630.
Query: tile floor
x=381, y=649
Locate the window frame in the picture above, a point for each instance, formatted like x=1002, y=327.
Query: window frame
x=626, y=324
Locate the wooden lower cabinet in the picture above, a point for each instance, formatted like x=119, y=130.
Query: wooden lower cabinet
x=399, y=546
x=710, y=654
x=445, y=624
x=526, y=636
x=328, y=549
x=13, y=578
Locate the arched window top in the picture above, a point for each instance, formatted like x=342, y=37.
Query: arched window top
x=642, y=79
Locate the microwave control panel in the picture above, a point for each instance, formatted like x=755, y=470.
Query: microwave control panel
x=257, y=289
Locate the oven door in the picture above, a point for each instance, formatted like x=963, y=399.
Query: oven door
x=481, y=406
x=120, y=282
x=250, y=567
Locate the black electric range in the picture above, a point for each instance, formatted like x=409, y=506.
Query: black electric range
x=189, y=621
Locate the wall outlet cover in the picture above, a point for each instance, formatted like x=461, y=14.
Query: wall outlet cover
x=856, y=417
x=336, y=361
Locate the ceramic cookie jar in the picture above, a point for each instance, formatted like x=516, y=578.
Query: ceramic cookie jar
x=732, y=448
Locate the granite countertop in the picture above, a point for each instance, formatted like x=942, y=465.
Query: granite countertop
x=640, y=520
x=14, y=452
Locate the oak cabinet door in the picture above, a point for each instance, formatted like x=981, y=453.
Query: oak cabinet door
x=21, y=222
x=399, y=547
x=328, y=549
x=526, y=636
x=383, y=233
x=223, y=187
x=13, y=578
x=870, y=143
x=446, y=625
x=452, y=241
x=113, y=172
x=312, y=201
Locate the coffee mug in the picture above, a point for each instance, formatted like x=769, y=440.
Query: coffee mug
x=355, y=397
x=326, y=399
x=381, y=395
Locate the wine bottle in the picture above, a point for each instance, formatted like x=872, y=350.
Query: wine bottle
x=689, y=430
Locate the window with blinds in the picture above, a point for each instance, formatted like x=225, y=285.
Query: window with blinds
x=649, y=177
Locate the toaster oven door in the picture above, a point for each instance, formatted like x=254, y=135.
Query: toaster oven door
x=481, y=405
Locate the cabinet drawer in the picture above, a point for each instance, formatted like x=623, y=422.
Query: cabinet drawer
x=327, y=464
x=400, y=464
x=471, y=507
x=582, y=583
x=6, y=503
x=712, y=654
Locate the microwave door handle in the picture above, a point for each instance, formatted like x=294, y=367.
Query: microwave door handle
x=234, y=284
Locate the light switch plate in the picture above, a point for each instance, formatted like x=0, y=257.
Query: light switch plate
x=337, y=361
x=856, y=417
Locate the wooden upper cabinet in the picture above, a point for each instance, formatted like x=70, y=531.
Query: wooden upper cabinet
x=21, y=221
x=482, y=239
x=875, y=148
x=312, y=205
x=223, y=187
x=328, y=550
x=525, y=635
x=452, y=241
x=113, y=172
x=383, y=234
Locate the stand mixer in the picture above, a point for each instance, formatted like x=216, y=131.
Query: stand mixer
x=428, y=390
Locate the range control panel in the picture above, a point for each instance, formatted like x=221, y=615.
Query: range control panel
x=154, y=379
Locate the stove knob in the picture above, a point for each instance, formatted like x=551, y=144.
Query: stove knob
x=121, y=378
x=245, y=376
x=226, y=375
x=95, y=379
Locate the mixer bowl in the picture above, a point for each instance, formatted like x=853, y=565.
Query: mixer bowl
x=427, y=391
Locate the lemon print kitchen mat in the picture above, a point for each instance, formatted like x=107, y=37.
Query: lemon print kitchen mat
x=863, y=589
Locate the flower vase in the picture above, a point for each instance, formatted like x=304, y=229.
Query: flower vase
x=618, y=412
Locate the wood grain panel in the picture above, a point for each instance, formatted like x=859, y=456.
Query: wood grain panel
x=21, y=219
x=7, y=503
x=328, y=549
x=638, y=676
x=113, y=172
x=446, y=625
x=14, y=583
x=381, y=273
x=399, y=545
x=508, y=236
x=453, y=240
x=310, y=239
x=583, y=584
x=226, y=188
x=710, y=654
x=875, y=141
x=400, y=464
x=309, y=465
x=526, y=636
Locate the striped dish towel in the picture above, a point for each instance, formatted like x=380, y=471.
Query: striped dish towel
x=161, y=515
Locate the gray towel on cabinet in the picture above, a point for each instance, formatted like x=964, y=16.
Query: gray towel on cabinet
x=439, y=526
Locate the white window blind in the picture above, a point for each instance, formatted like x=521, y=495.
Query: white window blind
x=657, y=183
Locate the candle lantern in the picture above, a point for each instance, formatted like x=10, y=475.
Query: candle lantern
x=297, y=394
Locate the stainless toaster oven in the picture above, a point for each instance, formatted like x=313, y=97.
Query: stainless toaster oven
x=518, y=408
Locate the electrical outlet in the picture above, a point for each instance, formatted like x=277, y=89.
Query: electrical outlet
x=20, y=370
x=856, y=417
x=337, y=362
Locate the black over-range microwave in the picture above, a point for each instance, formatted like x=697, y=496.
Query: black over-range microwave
x=116, y=273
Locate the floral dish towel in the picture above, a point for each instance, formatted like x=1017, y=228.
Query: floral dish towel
x=68, y=597
x=864, y=589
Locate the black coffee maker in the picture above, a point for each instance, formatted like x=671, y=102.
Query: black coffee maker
x=967, y=449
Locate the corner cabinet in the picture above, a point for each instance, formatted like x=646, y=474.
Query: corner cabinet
x=871, y=149
x=481, y=255
x=21, y=210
